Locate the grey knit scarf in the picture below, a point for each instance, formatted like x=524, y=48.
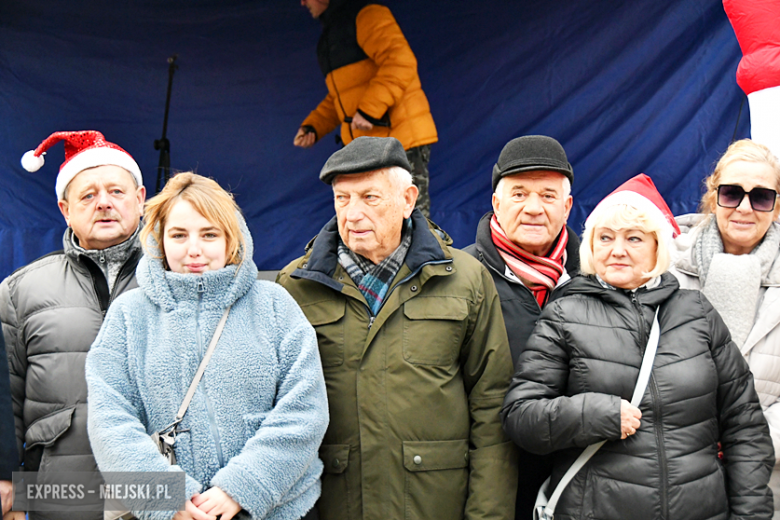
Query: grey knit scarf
x=111, y=259
x=733, y=283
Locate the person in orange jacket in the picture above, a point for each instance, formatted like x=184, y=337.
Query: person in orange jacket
x=373, y=85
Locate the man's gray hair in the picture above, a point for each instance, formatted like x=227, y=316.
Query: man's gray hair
x=400, y=178
x=566, y=186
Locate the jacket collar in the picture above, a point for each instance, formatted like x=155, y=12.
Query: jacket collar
x=213, y=289
x=429, y=243
x=485, y=246
x=130, y=248
x=589, y=285
x=683, y=255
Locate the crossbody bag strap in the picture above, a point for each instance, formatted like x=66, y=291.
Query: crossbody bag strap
x=639, y=391
x=202, y=368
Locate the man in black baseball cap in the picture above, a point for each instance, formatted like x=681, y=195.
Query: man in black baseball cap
x=529, y=251
x=414, y=352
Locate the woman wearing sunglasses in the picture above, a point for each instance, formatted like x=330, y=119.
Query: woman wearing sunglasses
x=731, y=252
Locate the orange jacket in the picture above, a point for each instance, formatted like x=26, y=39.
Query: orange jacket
x=386, y=82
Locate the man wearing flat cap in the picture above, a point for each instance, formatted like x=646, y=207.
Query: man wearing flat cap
x=529, y=251
x=414, y=351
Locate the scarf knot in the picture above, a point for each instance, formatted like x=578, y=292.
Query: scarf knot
x=373, y=280
x=539, y=273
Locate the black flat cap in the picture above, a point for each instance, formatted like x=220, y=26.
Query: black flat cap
x=365, y=154
x=530, y=153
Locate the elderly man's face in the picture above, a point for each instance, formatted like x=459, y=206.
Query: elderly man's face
x=532, y=208
x=370, y=209
x=103, y=206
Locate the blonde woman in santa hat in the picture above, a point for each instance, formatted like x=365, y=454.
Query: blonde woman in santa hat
x=573, y=388
x=731, y=252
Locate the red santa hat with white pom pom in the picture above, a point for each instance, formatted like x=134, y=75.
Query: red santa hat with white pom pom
x=639, y=192
x=83, y=149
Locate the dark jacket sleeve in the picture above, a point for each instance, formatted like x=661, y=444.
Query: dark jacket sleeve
x=748, y=454
x=8, y=456
x=537, y=414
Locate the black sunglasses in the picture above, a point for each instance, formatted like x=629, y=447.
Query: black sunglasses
x=731, y=196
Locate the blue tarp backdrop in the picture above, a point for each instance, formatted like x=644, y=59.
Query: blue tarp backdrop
x=627, y=87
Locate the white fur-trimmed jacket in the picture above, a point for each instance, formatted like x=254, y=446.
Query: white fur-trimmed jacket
x=260, y=412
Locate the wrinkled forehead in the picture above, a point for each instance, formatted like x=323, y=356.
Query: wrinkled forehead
x=377, y=180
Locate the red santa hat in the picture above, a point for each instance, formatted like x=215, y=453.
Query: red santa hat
x=757, y=26
x=639, y=192
x=83, y=149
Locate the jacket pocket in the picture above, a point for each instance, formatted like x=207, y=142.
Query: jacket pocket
x=436, y=479
x=47, y=429
x=335, y=488
x=41, y=436
x=327, y=318
x=434, y=329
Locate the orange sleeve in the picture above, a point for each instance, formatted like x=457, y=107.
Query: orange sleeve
x=383, y=42
x=324, y=118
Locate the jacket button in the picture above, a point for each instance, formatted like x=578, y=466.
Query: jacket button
x=305, y=266
x=336, y=463
x=417, y=459
x=413, y=288
x=341, y=278
x=448, y=268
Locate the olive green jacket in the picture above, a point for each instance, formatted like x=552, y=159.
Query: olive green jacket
x=414, y=393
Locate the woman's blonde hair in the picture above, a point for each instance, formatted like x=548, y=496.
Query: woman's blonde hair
x=743, y=150
x=623, y=216
x=208, y=198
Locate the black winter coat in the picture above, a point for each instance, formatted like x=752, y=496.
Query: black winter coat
x=521, y=311
x=584, y=357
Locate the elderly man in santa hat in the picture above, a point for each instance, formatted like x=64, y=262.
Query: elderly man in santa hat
x=51, y=310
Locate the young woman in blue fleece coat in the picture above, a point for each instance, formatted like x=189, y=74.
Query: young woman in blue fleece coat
x=260, y=411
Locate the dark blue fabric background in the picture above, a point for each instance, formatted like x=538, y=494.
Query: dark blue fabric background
x=627, y=87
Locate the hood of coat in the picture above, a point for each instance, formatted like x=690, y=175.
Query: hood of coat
x=429, y=243
x=683, y=255
x=215, y=289
x=589, y=285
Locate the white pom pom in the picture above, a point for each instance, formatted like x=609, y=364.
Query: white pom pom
x=32, y=162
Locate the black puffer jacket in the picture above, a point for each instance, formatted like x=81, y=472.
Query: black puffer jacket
x=584, y=356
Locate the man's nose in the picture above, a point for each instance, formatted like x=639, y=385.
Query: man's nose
x=533, y=204
x=103, y=200
x=355, y=211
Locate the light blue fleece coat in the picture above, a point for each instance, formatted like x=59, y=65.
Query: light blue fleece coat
x=260, y=411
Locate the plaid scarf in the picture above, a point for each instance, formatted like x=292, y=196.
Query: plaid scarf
x=538, y=273
x=373, y=280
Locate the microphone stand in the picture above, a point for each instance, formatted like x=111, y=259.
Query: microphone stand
x=164, y=166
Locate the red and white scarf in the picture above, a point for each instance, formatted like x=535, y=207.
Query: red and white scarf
x=538, y=273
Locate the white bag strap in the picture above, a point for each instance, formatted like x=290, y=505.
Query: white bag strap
x=639, y=391
x=202, y=368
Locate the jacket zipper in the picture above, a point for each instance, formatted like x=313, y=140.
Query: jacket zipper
x=209, y=405
x=658, y=423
